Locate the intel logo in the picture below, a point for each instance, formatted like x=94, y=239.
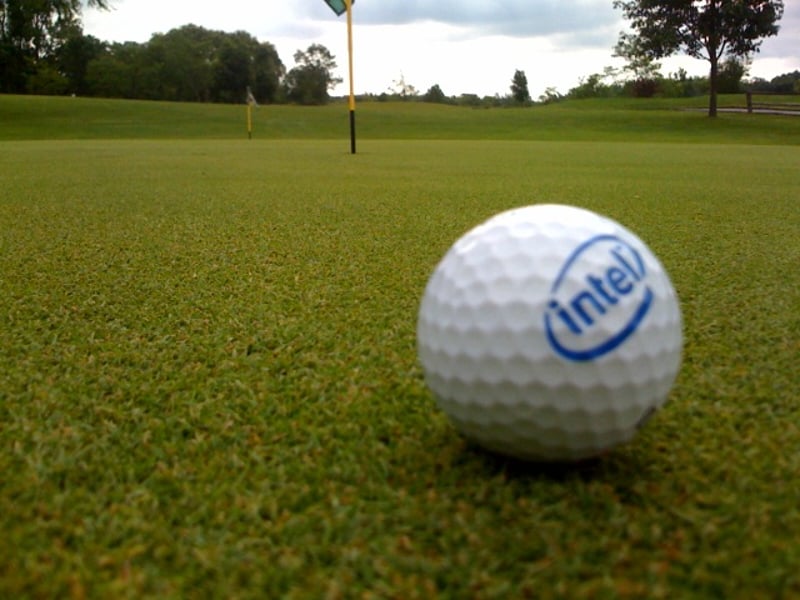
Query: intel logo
x=598, y=299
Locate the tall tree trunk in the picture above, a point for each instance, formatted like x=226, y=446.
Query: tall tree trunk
x=712, y=81
x=712, y=46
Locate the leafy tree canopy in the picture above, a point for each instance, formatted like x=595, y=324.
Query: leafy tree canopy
x=31, y=33
x=519, y=87
x=435, y=95
x=192, y=64
x=310, y=80
x=705, y=29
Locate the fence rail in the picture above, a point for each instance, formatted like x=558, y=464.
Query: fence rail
x=774, y=102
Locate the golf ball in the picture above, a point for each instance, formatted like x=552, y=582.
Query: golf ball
x=549, y=332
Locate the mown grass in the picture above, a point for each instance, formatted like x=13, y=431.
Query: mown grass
x=659, y=120
x=209, y=386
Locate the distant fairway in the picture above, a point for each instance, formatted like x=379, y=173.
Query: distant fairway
x=208, y=377
x=681, y=120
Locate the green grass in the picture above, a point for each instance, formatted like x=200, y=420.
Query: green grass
x=659, y=120
x=209, y=386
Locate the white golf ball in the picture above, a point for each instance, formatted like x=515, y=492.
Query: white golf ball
x=549, y=332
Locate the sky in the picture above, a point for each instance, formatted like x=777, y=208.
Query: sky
x=464, y=46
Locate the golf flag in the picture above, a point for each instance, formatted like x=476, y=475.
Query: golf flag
x=251, y=102
x=339, y=6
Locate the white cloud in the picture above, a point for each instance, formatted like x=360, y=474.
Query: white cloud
x=465, y=46
x=518, y=18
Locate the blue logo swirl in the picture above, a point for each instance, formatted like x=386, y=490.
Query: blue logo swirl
x=593, y=309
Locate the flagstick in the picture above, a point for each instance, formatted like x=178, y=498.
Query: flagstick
x=249, y=121
x=349, y=4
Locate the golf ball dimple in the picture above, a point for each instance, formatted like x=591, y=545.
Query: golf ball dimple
x=549, y=332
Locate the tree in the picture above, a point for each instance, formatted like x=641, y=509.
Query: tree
x=435, y=95
x=30, y=34
x=595, y=86
x=644, y=68
x=402, y=89
x=310, y=80
x=181, y=63
x=241, y=62
x=120, y=72
x=731, y=73
x=268, y=70
x=786, y=83
x=234, y=65
x=704, y=29
x=550, y=95
x=519, y=87
x=190, y=63
x=73, y=57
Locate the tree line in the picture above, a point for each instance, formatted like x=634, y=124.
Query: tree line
x=43, y=50
x=611, y=83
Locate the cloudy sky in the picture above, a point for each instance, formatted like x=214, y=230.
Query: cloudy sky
x=464, y=46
